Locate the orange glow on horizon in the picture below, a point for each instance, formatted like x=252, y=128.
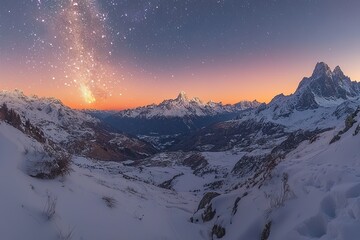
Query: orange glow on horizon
x=260, y=80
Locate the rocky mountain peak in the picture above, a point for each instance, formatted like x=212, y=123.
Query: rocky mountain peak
x=182, y=97
x=328, y=84
x=323, y=88
x=338, y=72
x=321, y=69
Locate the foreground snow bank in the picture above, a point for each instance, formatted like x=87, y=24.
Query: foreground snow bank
x=81, y=208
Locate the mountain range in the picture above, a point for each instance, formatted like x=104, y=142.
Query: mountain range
x=179, y=115
x=183, y=106
x=184, y=169
x=321, y=101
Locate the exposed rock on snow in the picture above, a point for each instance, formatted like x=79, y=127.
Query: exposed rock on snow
x=207, y=199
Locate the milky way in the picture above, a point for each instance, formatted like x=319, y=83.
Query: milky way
x=80, y=41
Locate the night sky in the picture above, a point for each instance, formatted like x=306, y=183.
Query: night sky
x=114, y=54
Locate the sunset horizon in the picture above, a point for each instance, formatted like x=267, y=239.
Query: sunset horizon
x=240, y=93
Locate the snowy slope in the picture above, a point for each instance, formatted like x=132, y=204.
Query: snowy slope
x=324, y=202
x=141, y=211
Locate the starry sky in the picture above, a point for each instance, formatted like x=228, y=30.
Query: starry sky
x=116, y=54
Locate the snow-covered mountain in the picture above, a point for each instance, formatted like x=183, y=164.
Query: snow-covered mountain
x=58, y=121
x=324, y=88
x=179, y=115
x=322, y=101
x=92, y=202
x=74, y=130
x=183, y=106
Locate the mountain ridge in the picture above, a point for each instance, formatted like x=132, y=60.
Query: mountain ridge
x=183, y=106
x=324, y=88
x=73, y=129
